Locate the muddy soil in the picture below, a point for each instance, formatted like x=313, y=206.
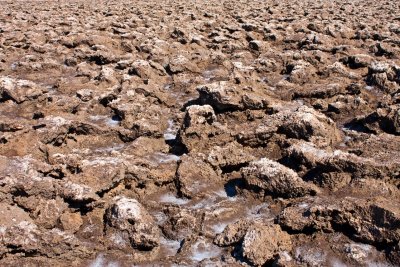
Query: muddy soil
x=200, y=133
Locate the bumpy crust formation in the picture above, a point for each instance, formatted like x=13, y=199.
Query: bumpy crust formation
x=200, y=133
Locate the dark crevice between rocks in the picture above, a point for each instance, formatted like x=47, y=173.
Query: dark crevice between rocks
x=358, y=127
x=308, y=230
x=255, y=189
x=56, y=174
x=74, y=169
x=21, y=206
x=218, y=108
x=80, y=129
x=37, y=115
x=36, y=127
x=83, y=206
x=388, y=126
x=233, y=168
x=106, y=223
x=168, y=70
x=5, y=97
x=60, y=140
x=232, y=186
x=270, y=263
x=351, y=233
x=237, y=253
x=176, y=147
x=19, y=193
x=134, y=72
x=178, y=185
x=116, y=117
x=99, y=59
x=182, y=243
x=190, y=103
x=314, y=175
x=126, y=138
x=27, y=253
x=106, y=100
x=113, y=185
x=291, y=163
x=224, y=110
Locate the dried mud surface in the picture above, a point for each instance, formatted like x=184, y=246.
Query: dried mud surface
x=200, y=133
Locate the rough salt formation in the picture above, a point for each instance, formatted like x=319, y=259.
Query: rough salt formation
x=128, y=215
x=372, y=221
x=262, y=243
x=276, y=179
x=200, y=133
x=19, y=90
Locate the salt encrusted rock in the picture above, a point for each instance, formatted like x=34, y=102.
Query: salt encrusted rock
x=141, y=68
x=359, y=61
x=233, y=233
x=383, y=119
x=127, y=214
x=77, y=192
x=70, y=221
x=233, y=155
x=306, y=156
x=308, y=124
x=276, y=179
x=262, y=243
x=199, y=115
x=363, y=216
x=225, y=96
x=200, y=124
x=300, y=72
x=19, y=90
x=85, y=94
x=194, y=175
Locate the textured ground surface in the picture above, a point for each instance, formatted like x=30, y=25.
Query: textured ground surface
x=200, y=133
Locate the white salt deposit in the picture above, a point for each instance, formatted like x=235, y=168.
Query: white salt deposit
x=203, y=250
x=100, y=261
x=172, y=199
x=170, y=247
x=313, y=257
x=219, y=227
x=170, y=133
x=164, y=158
x=128, y=207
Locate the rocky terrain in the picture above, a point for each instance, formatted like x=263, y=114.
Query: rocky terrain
x=200, y=133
